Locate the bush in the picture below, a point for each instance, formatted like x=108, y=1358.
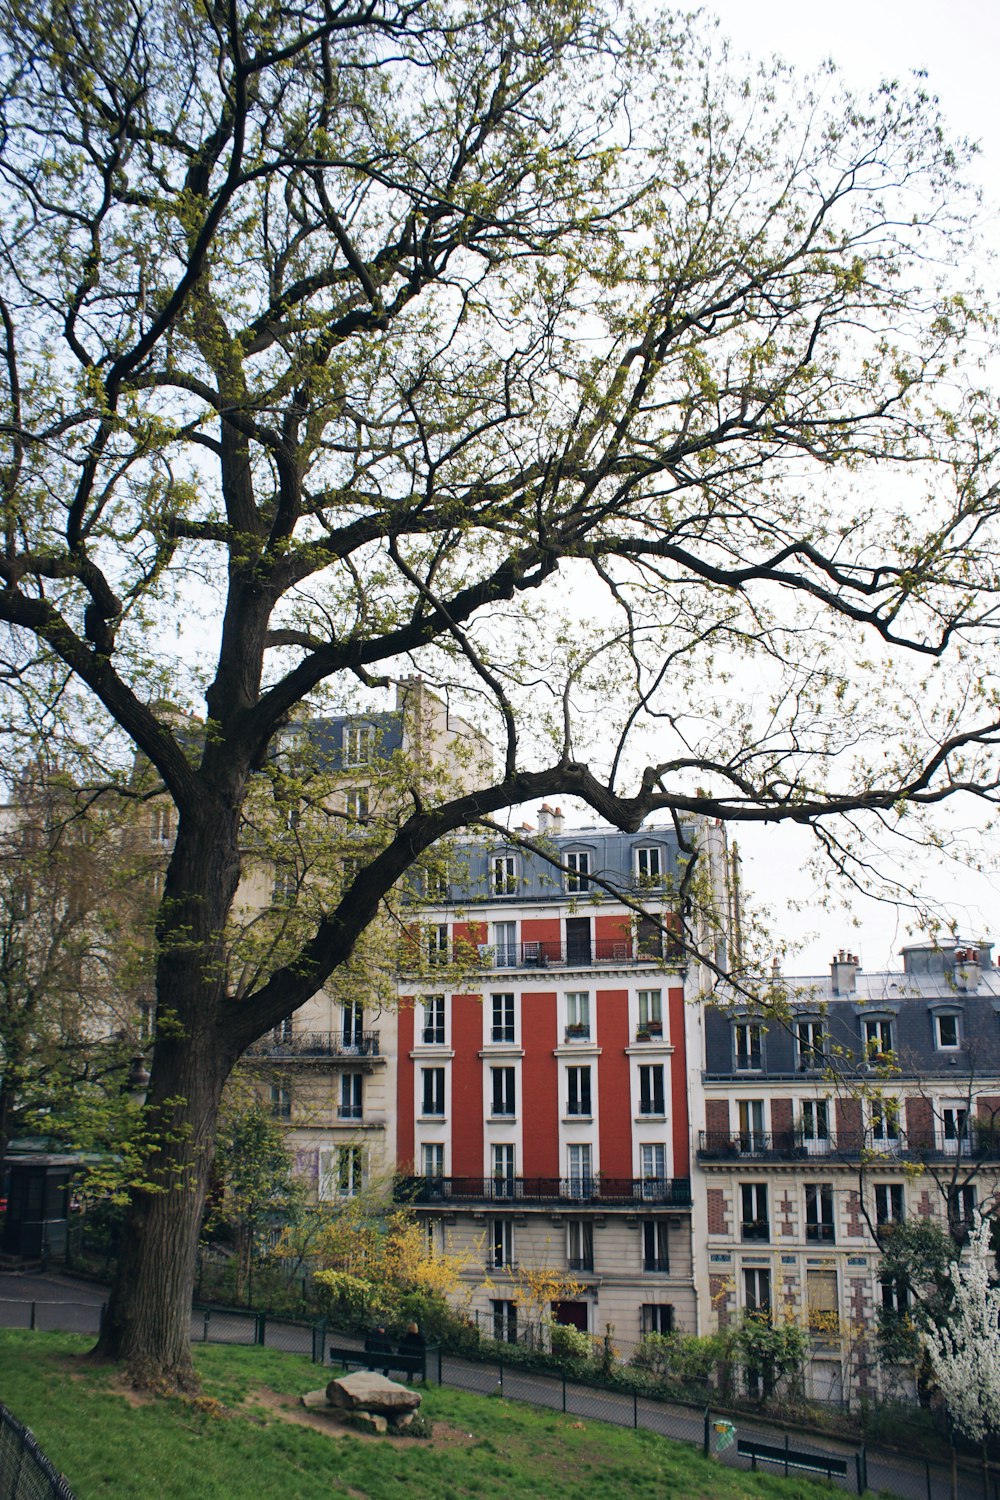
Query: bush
x=569, y=1343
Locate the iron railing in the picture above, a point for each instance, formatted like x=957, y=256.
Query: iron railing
x=789, y=1145
x=673, y=1192
x=322, y=1044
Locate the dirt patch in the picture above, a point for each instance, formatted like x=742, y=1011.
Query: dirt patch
x=332, y=1423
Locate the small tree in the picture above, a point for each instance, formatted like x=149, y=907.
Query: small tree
x=964, y=1351
x=259, y=1192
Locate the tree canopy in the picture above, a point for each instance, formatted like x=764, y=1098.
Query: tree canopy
x=627, y=395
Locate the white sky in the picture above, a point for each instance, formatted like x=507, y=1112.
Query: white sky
x=958, y=46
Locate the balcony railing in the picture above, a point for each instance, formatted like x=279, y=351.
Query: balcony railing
x=672, y=1192
x=546, y=955
x=789, y=1145
x=318, y=1044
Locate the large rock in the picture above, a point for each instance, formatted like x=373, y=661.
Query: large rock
x=366, y=1391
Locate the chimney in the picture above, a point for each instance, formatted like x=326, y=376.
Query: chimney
x=967, y=970
x=843, y=972
x=557, y=820
x=545, y=817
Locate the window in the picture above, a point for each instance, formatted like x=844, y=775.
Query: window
x=503, y=1171
x=962, y=1208
x=503, y=874
x=955, y=1130
x=281, y=1036
x=505, y=944
x=577, y=870
x=657, y=1317
x=885, y=1124
x=578, y=945
x=284, y=885
x=436, y=882
x=819, y=1212
x=433, y=1088
x=946, y=1032
x=653, y=1169
x=503, y=1091
x=888, y=1203
x=341, y=1172
x=821, y=1302
x=437, y=945
x=877, y=1037
x=501, y=1244
x=433, y=1032
x=754, y=1224
x=651, y=1012
x=433, y=1160
x=349, y=869
x=350, y=1097
x=810, y=1044
x=504, y=1320
x=359, y=741
x=503, y=1019
x=757, y=1292
x=649, y=938
x=649, y=865
x=815, y=1126
x=747, y=1045
x=352, y=1025
x=580, y=1174
x=655, y=1252
x=894, y=1297
x=580, y=1245
x=751, y=1121
x=161, y=825
x=356, y=803
x=651, y=1100
x=281, y=1102
x=578, y=1015
x=578, y=1091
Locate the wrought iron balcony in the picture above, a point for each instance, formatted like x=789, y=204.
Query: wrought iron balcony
x=317, y=1044
x=791, y=1145
x=601, y=1192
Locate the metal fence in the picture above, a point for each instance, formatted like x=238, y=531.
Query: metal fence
x=736, y=1439
x=25, y=1472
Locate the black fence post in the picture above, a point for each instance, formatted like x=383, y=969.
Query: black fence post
x=500, y=1363
x=261, y=1327
x=708, y=1423
x=927, y=1466
x=635, y=1409
x=564, y=1389
x=786, y=1457
x=440, y=1376
x=31, y=1324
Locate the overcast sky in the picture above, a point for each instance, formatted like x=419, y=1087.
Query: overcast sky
x=958, y=46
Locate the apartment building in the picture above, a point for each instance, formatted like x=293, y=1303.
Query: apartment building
x=875, y=1098
x=543, y=1074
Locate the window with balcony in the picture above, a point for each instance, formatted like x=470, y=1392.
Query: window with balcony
x=651, y=1096
x=161, y=824
x=819, y=1212
x=657, y=1317
x=503, y=874
x=962, y=1208
x=501, y=1244
x=284, y=884
x=757, y=1292
x=350, y=1097
x=504, y=1320
x=359, y=744
x=651, y=1012
x=581, y=1177
x=649, y=866
x=814, y=1126
x=433, y=1091
x=810, y=1045
x=505, y=944
x=578, y=1091
x=754, y=1222
x=433, y=1028
x=888, y=1203
x=503, y=1172
x=281, y=1101
x=655, y=1250
x=884, y=1116
x=750, y=1113
x=894, y=1297
x=649, y=938
x=578, y=945
x=580, y=1245
x=946, y=1035
x=747, y=1046
x=502, y=1026
x=877, y=1037
x=437, y=945
x=502, y=1080
x=955, y=1137
x=652, y=1169
x=432, y=1160
x=578, y=1016
x=352, y=1025
x=577, y=869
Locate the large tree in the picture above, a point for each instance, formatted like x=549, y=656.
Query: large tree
x=360, y=334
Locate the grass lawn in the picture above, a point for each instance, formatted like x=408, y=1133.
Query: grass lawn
x=248, y=1439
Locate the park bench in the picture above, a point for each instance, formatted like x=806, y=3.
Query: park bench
x=381, y=1359
x=792, y=1458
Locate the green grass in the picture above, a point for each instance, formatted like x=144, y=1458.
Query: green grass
x=229, y=1448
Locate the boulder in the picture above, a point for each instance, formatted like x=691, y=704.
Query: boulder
x=312, y=1399
x=367, y=1421
x=366, y=1391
